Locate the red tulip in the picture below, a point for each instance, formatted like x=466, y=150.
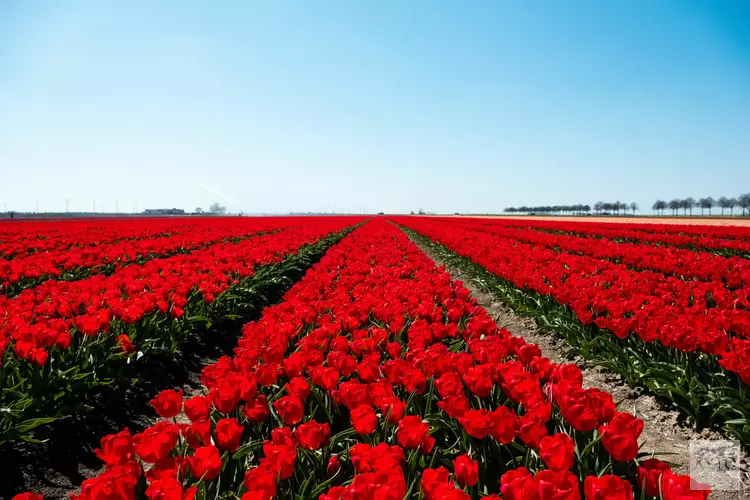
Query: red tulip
x=466, y=470
x=364, y=420
x=620, y=436
x=607, y=487
x=312, y=435
x=334, y=466
x=557, y=451
x=197, y=408
x=228, y=433
x=168, y=403
x=205, y=463
x=650, y=473
x=290, y=409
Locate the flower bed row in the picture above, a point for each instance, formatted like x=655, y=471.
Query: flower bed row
x=721, y=240
x=730, y=233
x=732, y=272
x=21, y=238
x=79, y=262
x=380, y=378
x=681, y=342
x=688, y=316
x=62, y=341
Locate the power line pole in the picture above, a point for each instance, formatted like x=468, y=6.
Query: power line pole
x=37, y=207
x=94, y=206
x=67, y=206
x=117, y=207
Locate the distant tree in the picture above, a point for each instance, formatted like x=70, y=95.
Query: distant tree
x=710, y=204
x=634, y=207
x=659, y=206
x=702, y=204
x=732, y=203
x=412, y=212
x=684, y=206
x=706, y=203
x=688, y=204
x=744, y=202
x=674, y=205
x=198, y=210
x=420, y=212
x=215, y=208
x=577, y=209
x=723, y=202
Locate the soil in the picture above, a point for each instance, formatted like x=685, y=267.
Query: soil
x=665, y=435
x=696, y=220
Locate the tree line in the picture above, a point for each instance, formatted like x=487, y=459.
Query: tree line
x=619, y=208
x=615, y=207
x=689, y=203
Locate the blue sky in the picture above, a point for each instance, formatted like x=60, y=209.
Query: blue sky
x=387, y=105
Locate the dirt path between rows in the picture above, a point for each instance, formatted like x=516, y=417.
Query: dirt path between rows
x=663, y=434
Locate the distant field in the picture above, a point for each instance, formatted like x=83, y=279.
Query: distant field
x=707, y=221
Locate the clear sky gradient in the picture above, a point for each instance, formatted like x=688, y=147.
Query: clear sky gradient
x=379, y=106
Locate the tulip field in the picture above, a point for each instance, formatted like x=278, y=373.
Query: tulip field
x=375, y=375
x=144, y=292
x=664, y=310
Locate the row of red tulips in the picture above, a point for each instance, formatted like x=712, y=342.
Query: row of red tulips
x=77, y=262
x=687, y=316
x=44, y=315
x=732, y=272
x=686, y=341
x=20, y=238
x=702, y=236
x=732, y=241
x=64, y=339
x=380, y=378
